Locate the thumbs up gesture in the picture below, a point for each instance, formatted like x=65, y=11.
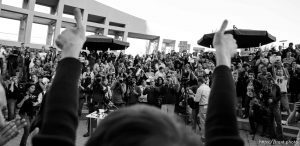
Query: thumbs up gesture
x=71, y=40
x=225, y=46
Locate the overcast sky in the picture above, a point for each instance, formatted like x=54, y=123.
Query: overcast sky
x=188, y=20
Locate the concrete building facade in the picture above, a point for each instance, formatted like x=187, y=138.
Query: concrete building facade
x=98, y=18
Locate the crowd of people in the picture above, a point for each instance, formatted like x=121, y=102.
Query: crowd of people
x=176, y=83
x=161, y=80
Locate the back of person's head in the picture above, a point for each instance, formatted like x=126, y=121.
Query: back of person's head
x=201, y=80
x=142, y=125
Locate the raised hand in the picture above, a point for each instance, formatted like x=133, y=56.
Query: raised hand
x=11, y=130
x=225, y=46
x=71, y=40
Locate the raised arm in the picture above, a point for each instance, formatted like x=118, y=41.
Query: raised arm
x=221, y=125
x=60, y=115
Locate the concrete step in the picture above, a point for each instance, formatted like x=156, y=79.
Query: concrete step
x=288, y=131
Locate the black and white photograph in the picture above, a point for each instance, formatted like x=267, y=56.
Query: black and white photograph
x=149, y=73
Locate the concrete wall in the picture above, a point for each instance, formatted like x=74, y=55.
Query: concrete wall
x=132, y=24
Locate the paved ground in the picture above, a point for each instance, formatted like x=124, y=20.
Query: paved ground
x=259, y=141
x=80, y=140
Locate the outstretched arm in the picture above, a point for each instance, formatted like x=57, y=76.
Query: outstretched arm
x=221, y=125
x=60, y=115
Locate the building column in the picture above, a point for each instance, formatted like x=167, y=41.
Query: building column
x=56, y=31
x=59, y=11
x=28, y=28
x=21, y=37
x=85, y=17
x=31, y=4
x=105, y=32
x=50, y=34
x=125, y=36
x=153, y=45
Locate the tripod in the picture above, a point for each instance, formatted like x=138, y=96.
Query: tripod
x=187, y=101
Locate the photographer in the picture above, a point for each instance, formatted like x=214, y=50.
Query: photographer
x=118, y=89
x=169, y=93
x=133, y=92
x=152, y=93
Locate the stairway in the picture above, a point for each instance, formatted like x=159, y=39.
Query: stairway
x=288, y=130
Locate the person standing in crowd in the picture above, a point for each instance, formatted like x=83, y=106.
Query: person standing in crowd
x=294, y=82
x=3, y=55
x=143, y=86
x=37, y=69
x=289, y=49
x=261, y=62
x=13, y=95
x=281, y=79
x=152, y=93
x=169, y=92
x=27, y=111
x=252, y=94
x=262, y=77
x=118, y=89
x=133, y=92
x=202, y=97
x=160, y=73
x=253, y=103
x=273, y=100
x=12, y=62
x=289, y=59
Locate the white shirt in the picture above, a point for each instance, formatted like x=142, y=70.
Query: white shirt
x=2, y=53
x=202, y=94
x=40, y=98
x=84, y=75
x=282, y=83
x=142, y=98
x=160, y=74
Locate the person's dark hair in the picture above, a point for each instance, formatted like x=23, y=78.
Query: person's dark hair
x=142, y=125
x=201, y=80
x=157, y=81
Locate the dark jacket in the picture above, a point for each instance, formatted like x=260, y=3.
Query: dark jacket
x=16, y=94
x=221, y=122
x=168, y=93
x=257, y=87
x=152, y=95
x=133, y=97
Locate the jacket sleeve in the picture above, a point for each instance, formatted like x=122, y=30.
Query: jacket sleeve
x=278, y=94
x=221, y=124
x=60, y=115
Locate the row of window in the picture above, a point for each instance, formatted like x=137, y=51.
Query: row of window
x=50, y=7
x=10, y=28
